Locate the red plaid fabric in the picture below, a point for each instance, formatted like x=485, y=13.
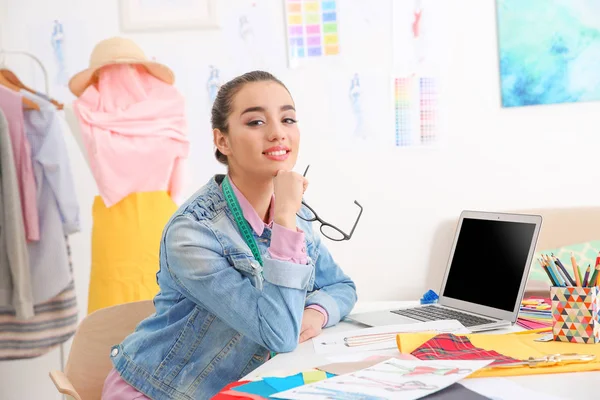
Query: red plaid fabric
x=451, y=347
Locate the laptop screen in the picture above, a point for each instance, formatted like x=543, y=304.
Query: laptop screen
x=489, y=261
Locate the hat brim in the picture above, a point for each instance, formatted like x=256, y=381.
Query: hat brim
x=80, y=81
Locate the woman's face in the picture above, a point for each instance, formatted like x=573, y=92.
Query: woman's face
x=263, y=135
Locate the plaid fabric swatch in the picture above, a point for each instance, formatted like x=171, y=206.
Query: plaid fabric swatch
x=451, y=347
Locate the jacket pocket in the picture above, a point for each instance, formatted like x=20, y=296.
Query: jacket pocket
x=248, y=267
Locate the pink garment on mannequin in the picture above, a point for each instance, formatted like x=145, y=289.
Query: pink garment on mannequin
x=135, y=133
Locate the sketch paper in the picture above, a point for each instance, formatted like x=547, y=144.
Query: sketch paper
x=391, y=379
x=378, y=338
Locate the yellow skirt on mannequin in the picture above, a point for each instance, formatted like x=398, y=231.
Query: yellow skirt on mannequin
x=125, y=246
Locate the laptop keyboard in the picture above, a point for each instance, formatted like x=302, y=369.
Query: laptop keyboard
x=435, y=313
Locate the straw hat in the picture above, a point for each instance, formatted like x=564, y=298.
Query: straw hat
x=117, y=50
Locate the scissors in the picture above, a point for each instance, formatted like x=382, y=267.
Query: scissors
x=550, y=360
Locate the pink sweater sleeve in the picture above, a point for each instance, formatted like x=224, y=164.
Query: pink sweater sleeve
x=288, y=245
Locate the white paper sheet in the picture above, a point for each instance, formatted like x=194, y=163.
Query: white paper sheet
x=391, y=379
x=362, y=356
x=504, y=389
x=378, y=338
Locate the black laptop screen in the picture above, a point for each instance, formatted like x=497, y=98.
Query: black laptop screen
x=489, y=261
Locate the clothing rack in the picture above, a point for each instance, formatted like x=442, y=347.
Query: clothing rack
x=3, y=54
x=37, y=60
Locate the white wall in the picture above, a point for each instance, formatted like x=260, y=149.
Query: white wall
x=491, y=158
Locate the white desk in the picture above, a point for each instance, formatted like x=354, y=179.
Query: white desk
x=581, y=385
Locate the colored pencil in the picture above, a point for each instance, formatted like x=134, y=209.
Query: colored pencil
x=557, y=275
x=552, y=281
x=594, y=277
x=564, y=270
x=557, y=278
x=576, y=270
x=586, y=276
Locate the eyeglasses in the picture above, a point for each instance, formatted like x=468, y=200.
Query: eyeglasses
x=328, y=230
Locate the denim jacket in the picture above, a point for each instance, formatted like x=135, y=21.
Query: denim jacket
x=218, y=312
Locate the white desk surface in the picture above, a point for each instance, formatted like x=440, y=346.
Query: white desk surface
x=580, y=385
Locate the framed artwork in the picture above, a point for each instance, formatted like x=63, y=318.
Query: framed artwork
x=549, y=51
x=156, y=15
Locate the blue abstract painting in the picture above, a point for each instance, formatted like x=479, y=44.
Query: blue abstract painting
x=549, y=51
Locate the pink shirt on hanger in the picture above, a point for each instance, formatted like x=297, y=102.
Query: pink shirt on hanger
x=11, y=103
x=134, y=129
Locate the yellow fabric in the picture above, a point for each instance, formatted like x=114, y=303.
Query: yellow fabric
x=313, y=376
x=520, y=346
x=125, y=246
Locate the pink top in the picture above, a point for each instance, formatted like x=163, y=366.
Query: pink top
x=286, y=245
x=11, y=103
x=135, y=132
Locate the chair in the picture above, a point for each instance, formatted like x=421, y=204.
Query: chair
x=89, y=361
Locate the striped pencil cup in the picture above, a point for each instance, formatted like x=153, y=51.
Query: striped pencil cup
x=575, y=314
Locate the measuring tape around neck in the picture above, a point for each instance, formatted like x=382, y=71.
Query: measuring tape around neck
x=241, y=222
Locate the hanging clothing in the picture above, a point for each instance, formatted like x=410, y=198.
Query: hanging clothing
x=54, y=323
x=57, y=205
x=15, y=278
x=125, y=246
x=11, y=103
x=134, y=129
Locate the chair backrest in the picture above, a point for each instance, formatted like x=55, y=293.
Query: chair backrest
x=566, y=226
x=89, y=358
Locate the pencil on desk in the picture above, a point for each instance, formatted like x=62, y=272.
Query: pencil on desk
x=556, y=261
x=585, y=278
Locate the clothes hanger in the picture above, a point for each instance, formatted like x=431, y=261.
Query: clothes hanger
x=30, y=105
x=12, y=78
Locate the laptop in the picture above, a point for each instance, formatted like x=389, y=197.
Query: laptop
x=485, y=276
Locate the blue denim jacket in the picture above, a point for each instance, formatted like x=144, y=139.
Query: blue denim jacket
x=218, y=312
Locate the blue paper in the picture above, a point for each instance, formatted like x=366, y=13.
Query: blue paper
x=268, y=386
x=260, y=388
x=287, y=383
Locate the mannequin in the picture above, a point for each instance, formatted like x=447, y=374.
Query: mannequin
x=136, y=183
x=75, y=129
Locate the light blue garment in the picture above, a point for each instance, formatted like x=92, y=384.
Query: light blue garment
x=57, y=204
x=216, y=316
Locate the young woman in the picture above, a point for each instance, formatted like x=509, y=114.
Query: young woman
x=240, y=274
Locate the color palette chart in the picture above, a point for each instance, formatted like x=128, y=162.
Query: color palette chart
x=403, y=100
x=428, y=111
x=416, y=106
x=312, y=28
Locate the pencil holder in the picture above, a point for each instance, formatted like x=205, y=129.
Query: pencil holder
x=575, y=314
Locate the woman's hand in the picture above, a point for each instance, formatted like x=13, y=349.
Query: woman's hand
x=289, y=188
x=312, y=324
